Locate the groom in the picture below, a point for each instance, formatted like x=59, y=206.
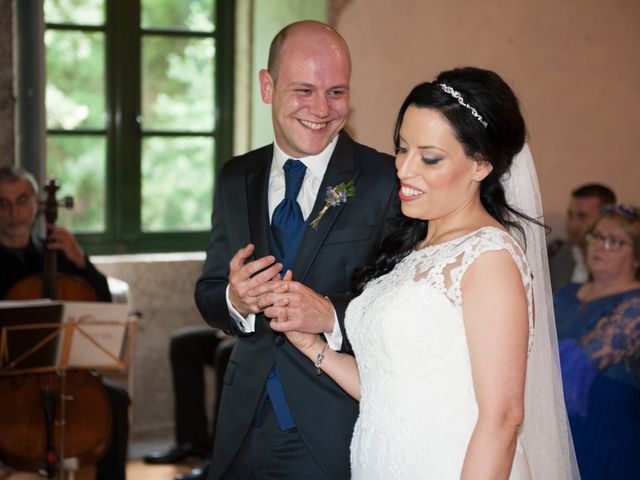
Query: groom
x=278, y=418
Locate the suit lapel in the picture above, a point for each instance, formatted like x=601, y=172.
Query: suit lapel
x=341, y=169
x=257, y=200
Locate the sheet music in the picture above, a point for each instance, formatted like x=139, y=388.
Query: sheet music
x=98, y=326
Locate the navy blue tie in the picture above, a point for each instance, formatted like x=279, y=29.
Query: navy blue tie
x=287, y=226
x=287, y=221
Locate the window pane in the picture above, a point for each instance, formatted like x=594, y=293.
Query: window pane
x=177, y=83
x=75, y=92
x=190, y=14
x=177, y=183
x=78, y=164
x=77, y=12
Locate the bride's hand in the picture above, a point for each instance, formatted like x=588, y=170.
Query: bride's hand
x=307, y=343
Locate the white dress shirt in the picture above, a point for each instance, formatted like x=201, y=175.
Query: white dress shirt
x=316, y=168
x=580, y=271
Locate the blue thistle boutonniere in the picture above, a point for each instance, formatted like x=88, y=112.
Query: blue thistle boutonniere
x=335, y=196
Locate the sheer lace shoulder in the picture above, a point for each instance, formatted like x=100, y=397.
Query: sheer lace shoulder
x=443, y=265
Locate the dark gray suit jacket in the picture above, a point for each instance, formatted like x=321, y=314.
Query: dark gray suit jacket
x=561, y=267
x=346, y=238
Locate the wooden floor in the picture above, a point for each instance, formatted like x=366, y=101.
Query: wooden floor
x=136, y=470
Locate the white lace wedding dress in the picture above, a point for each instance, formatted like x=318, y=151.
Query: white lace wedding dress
x=418, y=407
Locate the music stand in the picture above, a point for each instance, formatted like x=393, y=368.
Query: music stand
x=30, y=335
x=46, y=336
x=99, y=336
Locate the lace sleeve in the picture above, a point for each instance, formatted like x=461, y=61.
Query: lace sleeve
x=490, y=239
x=616, y=337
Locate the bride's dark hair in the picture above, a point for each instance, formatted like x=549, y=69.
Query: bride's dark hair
x=497, y=143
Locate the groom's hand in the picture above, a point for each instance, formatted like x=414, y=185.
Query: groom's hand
x=295, y=306
x=248, y=282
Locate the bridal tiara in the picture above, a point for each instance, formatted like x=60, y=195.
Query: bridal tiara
x=455, y=94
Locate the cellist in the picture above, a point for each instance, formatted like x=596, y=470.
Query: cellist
x=21, y=255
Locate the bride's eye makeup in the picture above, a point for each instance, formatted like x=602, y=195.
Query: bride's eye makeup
x=431, y=160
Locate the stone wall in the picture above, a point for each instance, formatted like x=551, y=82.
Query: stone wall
x=161, y=289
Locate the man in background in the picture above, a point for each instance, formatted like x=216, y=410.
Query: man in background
x=566, y=258
x=22, y=255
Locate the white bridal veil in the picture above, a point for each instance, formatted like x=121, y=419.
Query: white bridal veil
x=545, y=434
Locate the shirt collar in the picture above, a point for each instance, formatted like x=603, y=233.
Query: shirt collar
x=316, y=164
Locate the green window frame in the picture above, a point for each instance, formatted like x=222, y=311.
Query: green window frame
x=125, y=133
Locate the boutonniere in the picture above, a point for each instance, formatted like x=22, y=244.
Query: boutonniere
x=335, y=196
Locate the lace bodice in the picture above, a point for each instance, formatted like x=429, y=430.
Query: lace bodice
x=418, y=407
x=616, y=336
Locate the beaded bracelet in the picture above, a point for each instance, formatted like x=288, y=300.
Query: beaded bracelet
x=319, y=359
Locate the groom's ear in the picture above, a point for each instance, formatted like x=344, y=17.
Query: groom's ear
x=266, y=86
x=482, y=170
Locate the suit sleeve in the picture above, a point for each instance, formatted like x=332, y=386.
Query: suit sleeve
x=97, y=280
x=211, y=286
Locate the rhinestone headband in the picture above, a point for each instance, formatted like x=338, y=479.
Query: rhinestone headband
x=455, y=94
x=622, y=209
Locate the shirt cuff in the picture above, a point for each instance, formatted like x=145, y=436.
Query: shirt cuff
x=334, y=339
x=245, y=324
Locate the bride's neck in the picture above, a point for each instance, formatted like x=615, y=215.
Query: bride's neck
x=458, y=223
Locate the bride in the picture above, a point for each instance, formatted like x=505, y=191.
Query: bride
x=455, y=376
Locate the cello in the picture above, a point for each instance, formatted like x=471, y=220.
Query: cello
x=50, y=421
x=51, y=284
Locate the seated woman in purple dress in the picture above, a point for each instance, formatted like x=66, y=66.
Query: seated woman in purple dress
x=599, y=338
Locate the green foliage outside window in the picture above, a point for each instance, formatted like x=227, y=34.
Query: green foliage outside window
x=197, y=15
x=177, y=83
x=170, y=152
x=75, y=89
x=78, y=164
x=81, y=12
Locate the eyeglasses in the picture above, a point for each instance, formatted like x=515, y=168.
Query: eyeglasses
x=610, y=244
